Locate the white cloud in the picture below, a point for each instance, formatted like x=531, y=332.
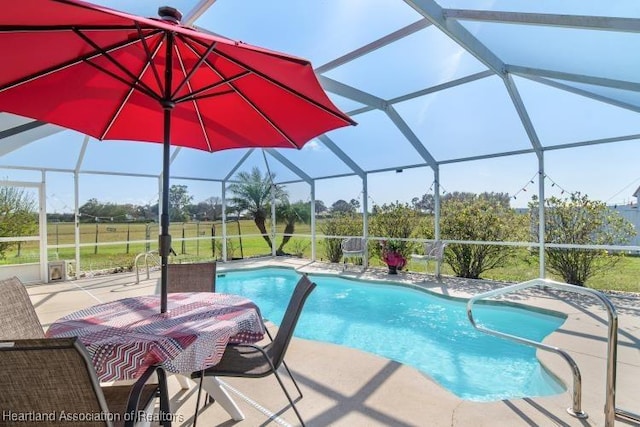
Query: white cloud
x=312, y=145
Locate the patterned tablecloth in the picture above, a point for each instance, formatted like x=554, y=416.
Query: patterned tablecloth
x=126, y=336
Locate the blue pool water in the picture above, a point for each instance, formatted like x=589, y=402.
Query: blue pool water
x=413, y=327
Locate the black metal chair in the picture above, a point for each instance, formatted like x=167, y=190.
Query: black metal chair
x=255, y=361
x=51, y=377
x=196, y=277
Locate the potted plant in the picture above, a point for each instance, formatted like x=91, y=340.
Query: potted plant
x=392, y=255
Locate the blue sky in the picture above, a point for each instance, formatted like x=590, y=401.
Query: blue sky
x=470, y=120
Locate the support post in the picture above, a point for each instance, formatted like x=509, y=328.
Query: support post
x=436, y=208
x=224, y=221
x=365, y=219
x=541, y=216
x=313, y=221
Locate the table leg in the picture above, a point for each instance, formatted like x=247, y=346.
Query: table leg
x=215, y=389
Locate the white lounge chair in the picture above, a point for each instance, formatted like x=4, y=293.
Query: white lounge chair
x=432, y=251
x=353, y=247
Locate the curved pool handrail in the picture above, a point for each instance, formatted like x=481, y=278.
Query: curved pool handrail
x=612, y=341
x=151, y=254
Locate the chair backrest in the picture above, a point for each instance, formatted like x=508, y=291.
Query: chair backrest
x=435, y=249
x=281, y=342
x=353, y=244
x=197, y=277
x=18, y=318
x=47, y=376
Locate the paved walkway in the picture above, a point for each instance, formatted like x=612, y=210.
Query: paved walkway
x=347, y=387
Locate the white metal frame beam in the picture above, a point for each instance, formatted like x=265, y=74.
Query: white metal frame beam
x=289, y=164
x=583, y=92
x=328, y=142
x=411, y=136
x=606, y=23
x=572, y=77
x=522, y=113
x=456, y=32
x=352, y=93
x=198, y=10
x=429, y=90
x=375, y=45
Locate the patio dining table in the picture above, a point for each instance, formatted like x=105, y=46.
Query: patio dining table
x=127, y=336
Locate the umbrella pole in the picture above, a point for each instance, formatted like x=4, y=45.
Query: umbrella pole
x=165, y=238
x=164, y=242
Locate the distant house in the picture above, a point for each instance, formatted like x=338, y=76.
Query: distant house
x=631, y=213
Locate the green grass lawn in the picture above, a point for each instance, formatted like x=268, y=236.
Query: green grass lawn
x=625, y=276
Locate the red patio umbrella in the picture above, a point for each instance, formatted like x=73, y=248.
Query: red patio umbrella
x=113, y=75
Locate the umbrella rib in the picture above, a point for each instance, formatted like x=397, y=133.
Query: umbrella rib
x=248, y=101
x=135, y=81
x=265, y=117
x=195, y=104
x=150, y=56
x=194, y=95
x=195, y=68
x=131, y=85
x=282, y=86
x=128, y=95
x=211, y=95
x=62, y=66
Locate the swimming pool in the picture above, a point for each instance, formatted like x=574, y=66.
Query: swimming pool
x=423, y=330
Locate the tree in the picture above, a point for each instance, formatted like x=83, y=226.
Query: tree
x=320, y=206
x=18, y=215
x=252, y=193
x=580, y=221
x=355, y=203
x=95, y=211
x=207, y=210
x=425, y=204
x=291, y=214
x=479, y=218
x=342, y=207
x=179, y=201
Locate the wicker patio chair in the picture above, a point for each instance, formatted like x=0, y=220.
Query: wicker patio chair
x=18, y=318
x=353, y=247
x=432, y=251
x=255, y=361
x=53, y=378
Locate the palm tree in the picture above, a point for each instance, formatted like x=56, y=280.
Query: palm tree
x=290, y=214
x=252, y=193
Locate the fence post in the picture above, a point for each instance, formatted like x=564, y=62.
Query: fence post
x=128, y=231
x=213, y=241
x=183, y=246
x=95, y=248
x=147, y=237
x=198, y=238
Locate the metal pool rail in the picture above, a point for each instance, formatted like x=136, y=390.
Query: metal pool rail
x=610, y=410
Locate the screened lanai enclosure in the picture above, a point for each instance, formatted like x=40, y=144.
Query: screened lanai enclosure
x=524, y=98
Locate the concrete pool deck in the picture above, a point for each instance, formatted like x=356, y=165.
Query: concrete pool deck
x=347, y=387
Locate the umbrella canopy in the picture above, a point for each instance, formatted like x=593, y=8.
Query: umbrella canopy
x=113, y=75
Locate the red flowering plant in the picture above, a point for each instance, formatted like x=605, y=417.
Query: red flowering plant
x=391, y=254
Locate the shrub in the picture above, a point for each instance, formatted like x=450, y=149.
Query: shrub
x=481, y=219
x=396, y=221
x=339, y=225
x=578, y=220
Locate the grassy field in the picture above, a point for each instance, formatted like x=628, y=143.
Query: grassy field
x=202, y=242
